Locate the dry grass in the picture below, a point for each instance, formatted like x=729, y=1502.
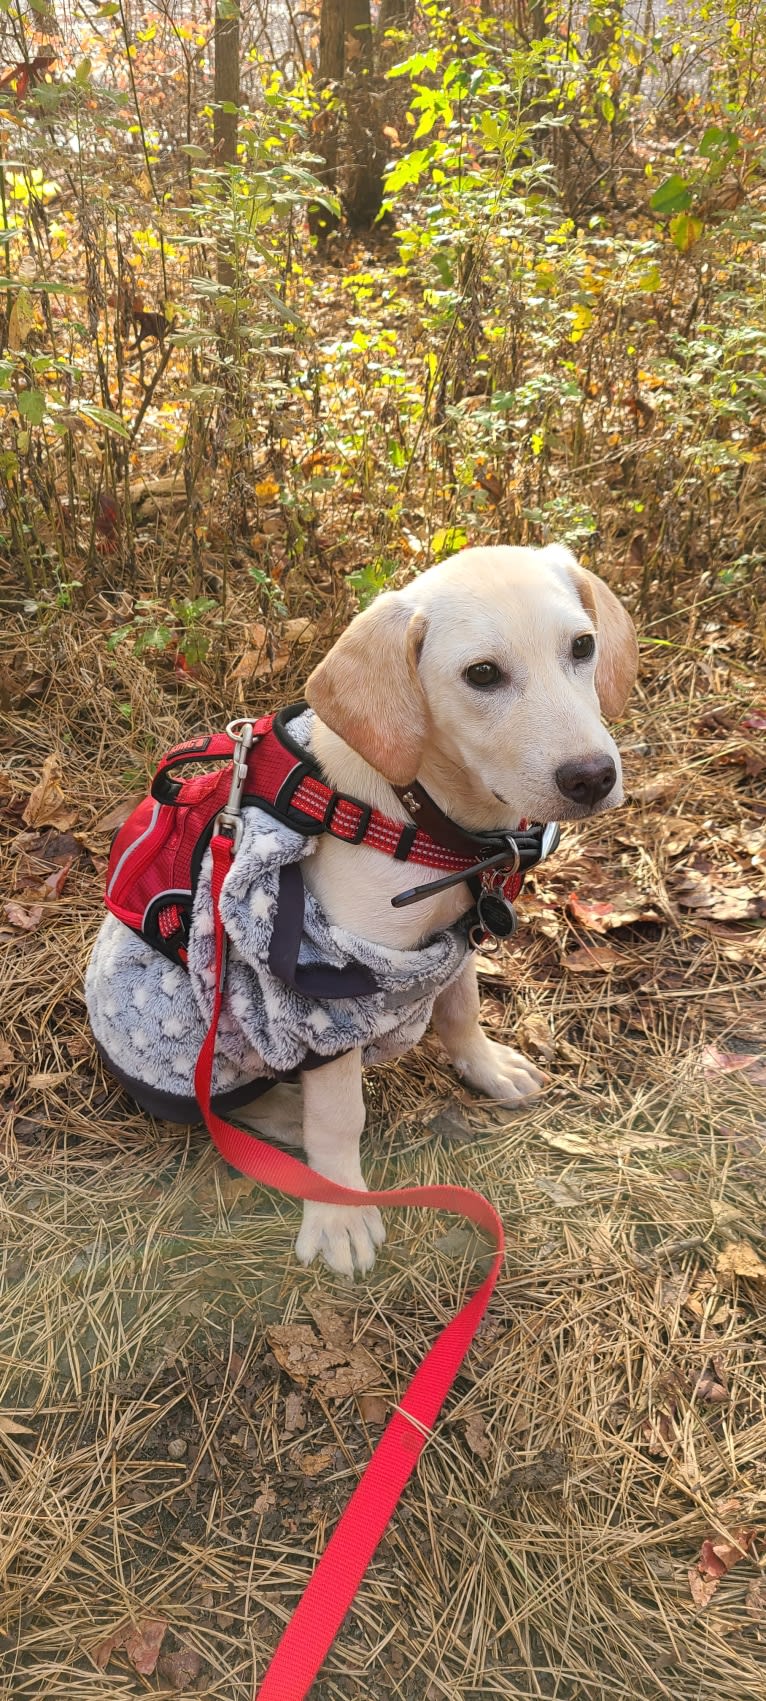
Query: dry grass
x=544, y=1548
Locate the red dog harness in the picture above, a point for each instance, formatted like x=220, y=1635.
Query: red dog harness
x=156, y=856
x=152, y=876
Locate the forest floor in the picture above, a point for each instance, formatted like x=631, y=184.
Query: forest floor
x=589, y=1520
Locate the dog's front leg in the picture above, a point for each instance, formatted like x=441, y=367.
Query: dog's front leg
x=346, y=1236
x=493, y=1069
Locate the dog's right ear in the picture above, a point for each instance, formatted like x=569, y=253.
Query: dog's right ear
x=367, y=690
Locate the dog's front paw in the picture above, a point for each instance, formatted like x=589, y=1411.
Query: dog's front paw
x=346, y=1236
x=500, y=1073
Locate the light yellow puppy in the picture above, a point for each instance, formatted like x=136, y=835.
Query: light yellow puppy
x=485, y=679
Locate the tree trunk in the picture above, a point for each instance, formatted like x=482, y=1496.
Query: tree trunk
x=364, y=178
x=225, y=93
x=332, y=59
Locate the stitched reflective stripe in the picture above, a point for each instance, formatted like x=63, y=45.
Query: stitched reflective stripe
x=134, y=847
x=169, y=921
x=175, y=893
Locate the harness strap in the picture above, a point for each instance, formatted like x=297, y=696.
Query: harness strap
x=333, y=1585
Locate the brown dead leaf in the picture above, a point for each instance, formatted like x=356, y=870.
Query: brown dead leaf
x=7, y=1059
x=739, y=1258
x=266, y=1500
x=659, y=1433
x=141, y=1644
x=755, y=1599
x=180, y=1669
x=27, y=920
x=568, y=1141
x=295, y=1413
x=54, y=885
x=46, y=1079
x=594, y=960
x=750, y=1063
x=336, y=1367
x=534, y=1032
x=702, y=1588
x=312, y=1464
x=712, y=1385
x=9, y=1426
x=712, y=897
x=621, y=908
x=117, y=816
x=46, y=805
x=373, y=1408
x=299, y=631
x=719, y=1553
x=661, y=787
x=563, y=1193
x=476, y=1435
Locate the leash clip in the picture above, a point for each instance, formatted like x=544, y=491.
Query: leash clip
x=228, y=821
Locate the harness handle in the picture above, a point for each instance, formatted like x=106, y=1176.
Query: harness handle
x=214, y=748
x=334, y=1583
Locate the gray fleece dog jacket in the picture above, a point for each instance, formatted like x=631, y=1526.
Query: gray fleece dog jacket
x=281, y=1011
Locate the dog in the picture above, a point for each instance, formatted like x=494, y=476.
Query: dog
x=485, y=680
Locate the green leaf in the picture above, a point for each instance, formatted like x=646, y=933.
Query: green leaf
x=717, y=143
x=673, y=196
x=104, y=416
x=685, y=230
x=31, y=405
x=447, y=540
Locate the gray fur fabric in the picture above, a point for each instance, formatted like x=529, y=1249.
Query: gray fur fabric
x=150, y=1017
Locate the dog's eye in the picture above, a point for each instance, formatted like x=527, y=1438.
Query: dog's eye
x=584, y=646
x=482, y=674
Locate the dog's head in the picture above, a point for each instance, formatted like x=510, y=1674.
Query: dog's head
x=487, y=678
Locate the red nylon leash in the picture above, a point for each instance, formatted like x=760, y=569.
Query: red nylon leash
x=333, y=1585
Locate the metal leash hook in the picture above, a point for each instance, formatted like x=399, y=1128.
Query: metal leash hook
x=228, y=821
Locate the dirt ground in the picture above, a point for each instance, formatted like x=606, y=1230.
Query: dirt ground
x=589, y=1520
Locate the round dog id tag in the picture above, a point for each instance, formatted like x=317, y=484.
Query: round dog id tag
x=496, y=915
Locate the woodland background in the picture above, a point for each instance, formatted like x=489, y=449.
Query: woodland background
x=294, y=302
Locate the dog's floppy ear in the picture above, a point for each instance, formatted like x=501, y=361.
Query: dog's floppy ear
x=617, y=656
x=367, y=689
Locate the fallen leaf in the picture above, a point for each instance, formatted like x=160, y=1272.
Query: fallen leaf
x=7, y=1058
x=336, y=1369
x=621, y=908
x=26, y=920
x=534, y=1031
x=711, y=896
x=569, y=1142
x=295, y=1413
x=662, y=786
x=255, y=664
x=702, y=1588
x=265, y=1501
x=593, y=959
x=562, y=1193
x=476, y=1435
x=659, y=1433
x=54, y=885
x=46, y=805
x=451, y=1126
x=267, y=489
x=712, y=1385
x=311, y=1464
x=117, y=816
x=180, y=1669
x=751, y=1063
x=755, y=1599
x=9, y=1426
x=299, y=631
x=141, y=1644
x=719, y=1553
x=740, y=1259
x=46, y=1079
x=373, y=1408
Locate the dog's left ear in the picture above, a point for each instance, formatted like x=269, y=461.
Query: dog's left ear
x=617, y=656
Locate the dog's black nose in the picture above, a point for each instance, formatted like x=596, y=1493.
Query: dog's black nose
x=588, y=781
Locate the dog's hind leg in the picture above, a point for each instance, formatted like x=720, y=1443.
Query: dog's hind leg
x=278, y=1115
